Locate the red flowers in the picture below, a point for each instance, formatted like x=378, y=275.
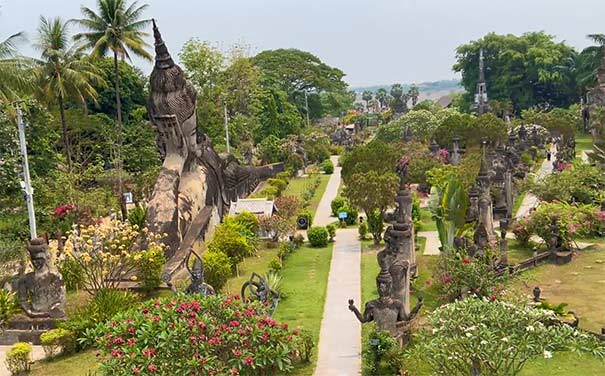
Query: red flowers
x=249, y=361
x=447, y=280
x=152, y=368
x=466, y=261
x=234, y=323
x=63, y=210
x=150, y=352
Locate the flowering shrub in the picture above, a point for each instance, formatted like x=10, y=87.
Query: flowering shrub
x=186, y=335
x=107, y=252
x=460, y=275
x=573, y=221
x=19, y=358
x=483, y=337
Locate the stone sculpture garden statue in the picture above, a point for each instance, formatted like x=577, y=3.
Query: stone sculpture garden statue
x=41, y=292
x=389, y=314
x=198, y=286
x=257, y=288
x=195, y=185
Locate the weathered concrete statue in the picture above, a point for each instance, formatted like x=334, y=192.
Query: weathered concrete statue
x=195, y=186
x=197, y=285
x=388, y=313
x=41, y=292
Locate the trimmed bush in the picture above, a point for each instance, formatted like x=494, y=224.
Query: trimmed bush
x=19, y=358
x=331, y=232
x=318, y=236
x=269, y=192
x=327, y=167
x=217, y=268
x=278, y=184
x=363, y=230
x=57, y=341
x=220, y=335
x=336, y=204
x=276, y=265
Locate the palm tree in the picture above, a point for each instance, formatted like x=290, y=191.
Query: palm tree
x=63, y=73
x=381, y=95
x=414, y=93
x=12, y=77
x=115, y=30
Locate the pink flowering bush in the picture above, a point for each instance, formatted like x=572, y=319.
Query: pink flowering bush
x=573, y=221
x=189, y=335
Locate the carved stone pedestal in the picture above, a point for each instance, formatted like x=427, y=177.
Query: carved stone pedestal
x=26, y=329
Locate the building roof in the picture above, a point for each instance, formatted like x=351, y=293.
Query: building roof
x=258, y=206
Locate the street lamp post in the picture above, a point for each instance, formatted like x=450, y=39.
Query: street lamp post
x=26, y=183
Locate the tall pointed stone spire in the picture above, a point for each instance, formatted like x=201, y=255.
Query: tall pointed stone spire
x=163, y=60
x=481, y=106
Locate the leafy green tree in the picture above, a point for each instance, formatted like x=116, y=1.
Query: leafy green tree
x=298, y=72
x=382, y=96
x=448, y=208
x=523, y=69
x=398, y=99
x=63, y=73
x=12, y=69
x=133, y=91
x=115, y=29
x=372, y=192
x=414, y=93
x=278, y=117
x=421, y=124
x=589, y=60
x=367, y=96
x=374, y=156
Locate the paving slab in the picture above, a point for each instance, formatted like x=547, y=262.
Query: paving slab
x=339, y=352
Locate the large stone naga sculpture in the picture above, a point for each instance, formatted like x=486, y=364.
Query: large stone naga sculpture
x=196, y=185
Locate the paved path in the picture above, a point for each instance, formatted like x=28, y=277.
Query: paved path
x=324, y=211
x=340, y=335
x=37, y=354
x=432, y=242
x=530, y=201
x=339, y=351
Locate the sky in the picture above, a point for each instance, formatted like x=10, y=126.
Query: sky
x=373, y=42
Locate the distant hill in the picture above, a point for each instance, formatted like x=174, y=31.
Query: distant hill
x=427, y=89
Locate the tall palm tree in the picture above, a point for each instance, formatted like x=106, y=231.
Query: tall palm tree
x=12, y=69
x=63, y=72
x=115, y=30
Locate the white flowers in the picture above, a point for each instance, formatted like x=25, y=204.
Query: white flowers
x=483, y=342
x=504, y=339
x=547, y=354
x=469, y=335
x=530, y=328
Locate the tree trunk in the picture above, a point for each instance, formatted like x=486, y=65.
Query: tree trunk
x=66, y=142
x=120, y=138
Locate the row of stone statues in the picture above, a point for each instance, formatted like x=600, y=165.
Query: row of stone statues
x=397, y=261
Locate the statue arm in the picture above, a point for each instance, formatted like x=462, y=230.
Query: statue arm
x=416, y=308
x=366, y=317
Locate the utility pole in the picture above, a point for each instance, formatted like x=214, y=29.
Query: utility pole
x=26, y=184
x=307, y=107
x=226, y=127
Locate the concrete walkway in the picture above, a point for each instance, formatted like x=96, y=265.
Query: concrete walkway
x=530, y=201
x=324, y=211
x=433, y=243
x=340, y=336
x=339, y=350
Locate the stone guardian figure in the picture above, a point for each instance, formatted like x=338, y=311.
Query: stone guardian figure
x=41, y=292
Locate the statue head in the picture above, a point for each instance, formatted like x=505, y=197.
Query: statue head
x=384, y=284
x=38, y=253
x=197, y=273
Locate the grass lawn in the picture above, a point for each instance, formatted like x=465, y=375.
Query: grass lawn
x=428, y=224
x=583, y=143
x=258, y=264
x=579, y=283
x=564, y=364
x=517, y=253
x=305, y=280
x=298, y=186
x=77, y=365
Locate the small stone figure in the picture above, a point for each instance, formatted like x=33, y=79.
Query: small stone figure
x=41, y=292
x=537, y=291
x=257, y=288
x=198, y=286
x=387, y=312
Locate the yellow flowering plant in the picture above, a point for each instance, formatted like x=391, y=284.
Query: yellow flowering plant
x=113, y=251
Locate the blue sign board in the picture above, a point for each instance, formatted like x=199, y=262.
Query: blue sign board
x=343, y=215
